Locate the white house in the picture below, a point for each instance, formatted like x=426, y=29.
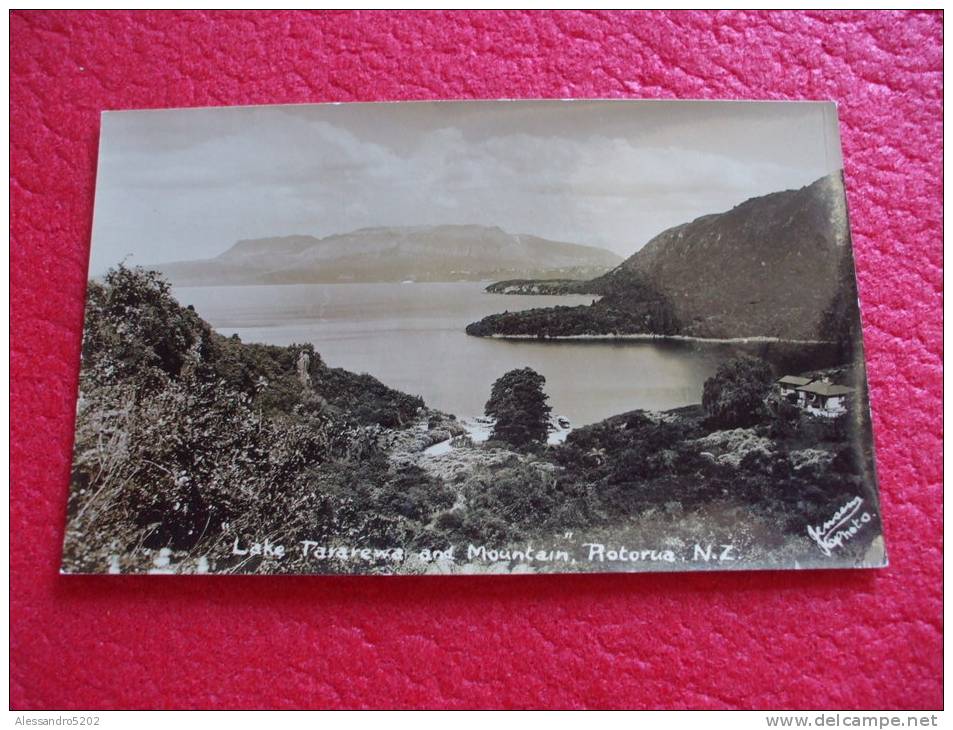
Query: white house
x=823, y=398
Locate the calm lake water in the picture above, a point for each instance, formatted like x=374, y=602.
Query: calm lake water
x=411, y=337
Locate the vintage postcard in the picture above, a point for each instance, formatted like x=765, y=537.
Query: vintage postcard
x=472, y=337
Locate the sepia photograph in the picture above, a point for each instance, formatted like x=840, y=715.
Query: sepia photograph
x=472, y=338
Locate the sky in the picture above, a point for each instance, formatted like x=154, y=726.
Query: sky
x=187, y=184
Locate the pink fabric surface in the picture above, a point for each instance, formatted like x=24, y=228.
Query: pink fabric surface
x=731, y=640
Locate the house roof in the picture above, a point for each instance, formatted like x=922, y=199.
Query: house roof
x=794, y=380
x=825, y=389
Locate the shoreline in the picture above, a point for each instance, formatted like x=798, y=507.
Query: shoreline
x=650, y=337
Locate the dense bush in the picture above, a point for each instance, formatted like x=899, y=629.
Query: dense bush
x=734, y=396
x=414, y=494
x=274, y=375
x=365, y=398
x=539, y=286
x=560, y=321
x=184, y=437
x=846, y=461
x=630, y=305
x=518, y=405
x=135, y=330
x=365, y=503
x=784, y=415
x=624, y=448
x=521, y=499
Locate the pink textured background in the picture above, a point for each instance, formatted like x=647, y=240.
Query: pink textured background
x=825, y=639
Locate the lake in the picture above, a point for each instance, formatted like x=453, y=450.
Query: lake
x=411, y=337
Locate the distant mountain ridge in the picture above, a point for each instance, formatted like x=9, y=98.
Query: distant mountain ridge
x=417, y=253
x=776, y=266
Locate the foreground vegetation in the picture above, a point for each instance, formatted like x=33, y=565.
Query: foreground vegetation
x=197, y=452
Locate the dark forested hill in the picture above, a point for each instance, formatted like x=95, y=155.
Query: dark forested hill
x=775, y=266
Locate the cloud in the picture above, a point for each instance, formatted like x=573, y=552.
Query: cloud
x=188, y=184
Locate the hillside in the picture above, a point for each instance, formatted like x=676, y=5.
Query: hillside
x=420, y=253
x=193, y=448
x=775, y=266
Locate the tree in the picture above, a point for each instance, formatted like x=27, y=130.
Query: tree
x=734, y=396
x=136, y=330
x=518, y=404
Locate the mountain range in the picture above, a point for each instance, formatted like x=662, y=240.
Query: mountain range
x=776, y=266
x=418, y=253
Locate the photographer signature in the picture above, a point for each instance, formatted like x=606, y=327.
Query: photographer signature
x=840, y=528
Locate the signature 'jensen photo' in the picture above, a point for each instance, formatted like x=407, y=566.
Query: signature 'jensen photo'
x=472, y=337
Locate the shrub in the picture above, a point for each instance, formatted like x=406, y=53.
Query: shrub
x=757, y=460
x=734, y=395
x=136, y=331
x=412, y=493
x=784, y=416
x=634, y=462
x=527, y=498
x=845, y=461
x=193, y=456
x=481, y=525
x=449, y=522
